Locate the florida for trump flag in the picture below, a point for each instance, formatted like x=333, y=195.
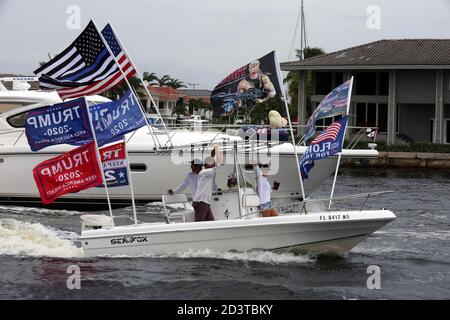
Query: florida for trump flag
x=326, y=144
x=335, y=103
x=86, y=67
x=73, y=171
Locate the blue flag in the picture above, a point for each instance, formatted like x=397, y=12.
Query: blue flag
x=112, y=120
x=115, y=165
x=327, y=144
x=66, y=122
x=333, y=104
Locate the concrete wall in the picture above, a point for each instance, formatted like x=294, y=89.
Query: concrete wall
x=414, y=121
x=416, y=86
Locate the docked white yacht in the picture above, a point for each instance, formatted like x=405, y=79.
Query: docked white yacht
x=150, y=154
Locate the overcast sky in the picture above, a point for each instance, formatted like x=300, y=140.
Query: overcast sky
x=201, y=41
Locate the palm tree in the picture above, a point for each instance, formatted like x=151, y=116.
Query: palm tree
x=176, y=84
x=119, y=90
x=150, y=77
x=162, y=82
x=292, y=79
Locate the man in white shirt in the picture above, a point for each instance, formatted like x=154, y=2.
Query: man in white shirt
x=202, y=197
x=190, y=180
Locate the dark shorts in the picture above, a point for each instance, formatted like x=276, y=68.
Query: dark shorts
x=202, y=211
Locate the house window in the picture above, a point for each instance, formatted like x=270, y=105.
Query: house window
x=361, y=112
x=382, y=117
x=372, y=115
x=338, y=79
x=383, y=84
x=366, y=83
x=323, y=82
x=161, y=105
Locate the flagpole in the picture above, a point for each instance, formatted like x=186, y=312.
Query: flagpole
x=126, y=79
x=99, y=160
x=131, y=181
x=277, y=63
x=143, y=84
x=342, y=145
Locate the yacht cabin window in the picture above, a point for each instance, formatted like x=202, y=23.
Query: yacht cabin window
x=18, y=120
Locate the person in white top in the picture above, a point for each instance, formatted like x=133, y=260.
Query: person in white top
x=264, y=190
x=191, y=179
x=205, y=185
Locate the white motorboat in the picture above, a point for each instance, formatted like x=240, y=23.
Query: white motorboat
x=152, y=166
x=310, y=233
x=237, y=226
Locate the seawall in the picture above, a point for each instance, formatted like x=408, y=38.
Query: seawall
x=405, y=160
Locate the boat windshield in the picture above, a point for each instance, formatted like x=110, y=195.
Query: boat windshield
x=18, y=120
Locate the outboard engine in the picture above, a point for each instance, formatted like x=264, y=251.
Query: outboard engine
x=95, y=221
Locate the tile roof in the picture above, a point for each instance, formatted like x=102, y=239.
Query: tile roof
x=196, y=93
x=402, y=53
x=166, y=93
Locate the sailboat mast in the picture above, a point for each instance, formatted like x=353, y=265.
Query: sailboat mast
x=302, y=28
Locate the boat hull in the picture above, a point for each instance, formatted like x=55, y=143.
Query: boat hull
x=329, y=233
x=152, y=175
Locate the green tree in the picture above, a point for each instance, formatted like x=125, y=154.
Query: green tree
x=175, y=83
x=197, y=104
x=150, y=77
x=119, y=90
x=164, y=80
x=261, y=110
x=179, y=107
x=292, y=79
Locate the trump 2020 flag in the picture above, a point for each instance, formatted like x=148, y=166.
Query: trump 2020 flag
x=253, y=83
x=73, y=171
x=115, y=165
x=66, y=122
x=333, y=104
x=326, y=144
x=112, y=120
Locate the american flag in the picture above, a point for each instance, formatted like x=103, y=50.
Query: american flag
x=330, y=133
x=86, y=67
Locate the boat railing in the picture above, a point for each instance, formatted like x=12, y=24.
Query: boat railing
x=308, y=203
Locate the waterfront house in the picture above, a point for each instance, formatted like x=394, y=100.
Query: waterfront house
x=401, y=86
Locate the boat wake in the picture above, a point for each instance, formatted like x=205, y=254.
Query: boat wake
x=261, y=256
x=250, y=256
x=37, y=211
x=35, y=239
